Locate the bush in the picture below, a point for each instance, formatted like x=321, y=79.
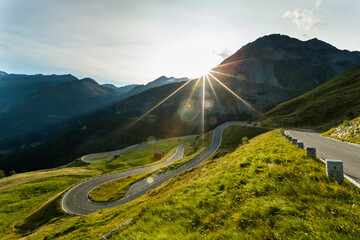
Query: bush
x=245, y=140
x=2, y=174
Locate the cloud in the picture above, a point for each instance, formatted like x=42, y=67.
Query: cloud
x=303, y=18
x=318, y=3
x=305, y=36
x=224, y=53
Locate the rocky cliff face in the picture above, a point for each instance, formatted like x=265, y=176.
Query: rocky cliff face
x=348, y=131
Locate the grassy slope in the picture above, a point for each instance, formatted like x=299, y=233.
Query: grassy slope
x=232, y=138
x=114, y=190
x=139, y=157
x=18, y=179
x=265, y=189
x=323, y=107
x=233, y=135
x=24, y=197
x=117, y=189
x=22, y=194
x=347, y=131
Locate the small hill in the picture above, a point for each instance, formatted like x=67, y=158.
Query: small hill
x=347, y=131
x=323, y=107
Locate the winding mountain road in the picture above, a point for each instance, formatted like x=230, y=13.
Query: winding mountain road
x=76, y=200
x=109, y=155
x=327, y=148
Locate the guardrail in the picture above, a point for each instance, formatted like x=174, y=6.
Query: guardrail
x=334, y=168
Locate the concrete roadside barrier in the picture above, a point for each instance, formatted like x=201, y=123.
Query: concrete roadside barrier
x=300, y=145
x=311, y=152
x=294, y=141
x=334, y=170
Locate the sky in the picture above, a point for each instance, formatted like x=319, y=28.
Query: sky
x=137, y=41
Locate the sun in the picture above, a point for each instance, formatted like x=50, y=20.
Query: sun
x=205, y=74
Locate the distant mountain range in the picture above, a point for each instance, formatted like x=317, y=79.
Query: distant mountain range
x=15, y=88
x=133, y=89
x=121, y=90
x=264, y=73
x=35, y=107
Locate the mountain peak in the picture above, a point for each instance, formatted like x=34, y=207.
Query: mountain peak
x=89, y=80
x=278, y=46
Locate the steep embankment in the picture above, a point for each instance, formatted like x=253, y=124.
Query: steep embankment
x=265, y=189
x=347, y=131
x=322, y=108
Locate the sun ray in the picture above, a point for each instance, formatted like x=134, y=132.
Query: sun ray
x=194, y=88
x=229, y=63
x=237, y=96
x=226, y=74
x=215, y=95
x=203, y=111
x=129, y=125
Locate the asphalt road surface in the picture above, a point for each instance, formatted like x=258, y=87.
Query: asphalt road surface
x=327, y=148
x=76, y=200
x=109, y=155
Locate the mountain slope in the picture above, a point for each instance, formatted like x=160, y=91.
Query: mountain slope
x=323, y=107
x=51, y=106
x=121, y=90
x=15, y=88
x=276, y=68
x=163, y=80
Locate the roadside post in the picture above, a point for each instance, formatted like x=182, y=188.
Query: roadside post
x=334, y=170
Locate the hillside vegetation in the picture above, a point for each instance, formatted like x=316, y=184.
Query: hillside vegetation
x=266, y=189
x=347, y=131
x=323, y=107
x=30, y=200
x=232, y=137
x=23, y=194
x=140, y=157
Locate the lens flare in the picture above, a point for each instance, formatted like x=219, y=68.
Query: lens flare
x=149, y=180
x=229, y=63
x=237, y=96
x=152, y=109
x=188, y=111
x=215, y=95
x=241, y=77
x=194, y=88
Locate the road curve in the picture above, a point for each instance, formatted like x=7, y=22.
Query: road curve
x=76, y=200
x=111, y=154
x=328, y=148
